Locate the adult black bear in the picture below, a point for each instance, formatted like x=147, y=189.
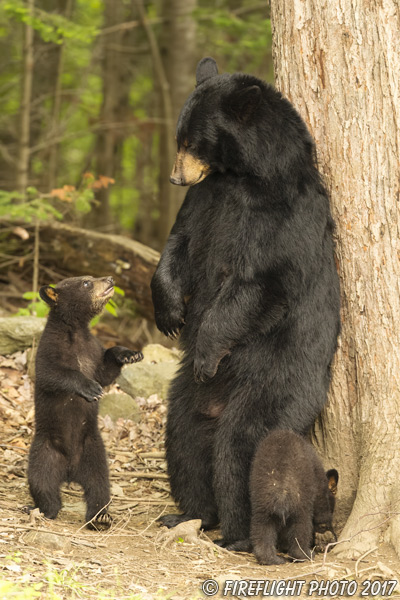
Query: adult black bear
x=291, y=498
x=71, y=369
x=248, y=276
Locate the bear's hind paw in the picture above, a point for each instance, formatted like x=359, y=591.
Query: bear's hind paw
x=102, y=521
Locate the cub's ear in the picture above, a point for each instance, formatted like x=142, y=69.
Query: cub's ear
x=333, y=478
x=244, y=102
x=206, y=68
x=49, y=295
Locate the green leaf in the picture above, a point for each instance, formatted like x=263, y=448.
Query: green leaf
x=30, y=295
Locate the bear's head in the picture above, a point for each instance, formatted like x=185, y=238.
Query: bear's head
x=239, y=124
x=78, y=299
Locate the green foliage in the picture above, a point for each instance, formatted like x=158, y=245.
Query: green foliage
x=36, y=308
x=51, y=27
x=17, y=207
x=240, y=38
x=237, y=34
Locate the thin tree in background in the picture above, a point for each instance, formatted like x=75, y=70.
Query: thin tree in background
x=116, y=77
x=178, y=51
x=339, y=63
x=25, y=119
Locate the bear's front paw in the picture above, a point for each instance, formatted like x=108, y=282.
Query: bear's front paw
x=92, y=391
x=123, y=356
x=170, y=322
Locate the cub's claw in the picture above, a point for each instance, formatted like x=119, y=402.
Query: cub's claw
x=123, y=356
x=92, y=392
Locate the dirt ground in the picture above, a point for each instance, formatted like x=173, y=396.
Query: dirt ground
x=62, y=559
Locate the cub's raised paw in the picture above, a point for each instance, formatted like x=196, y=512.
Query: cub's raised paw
x=125, y=356
x=101, y=522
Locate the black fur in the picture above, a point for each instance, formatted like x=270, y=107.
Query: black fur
x=248, y=276
x=72, y=368
x=291, y=498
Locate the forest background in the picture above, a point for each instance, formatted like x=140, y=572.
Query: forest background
x=90, y=92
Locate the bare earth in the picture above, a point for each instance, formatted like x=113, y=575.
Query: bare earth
x=134, y=559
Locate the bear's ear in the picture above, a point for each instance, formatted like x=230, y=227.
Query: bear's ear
x=333, y=478
x=49, y=295
x=206, y=68
x=244, y=102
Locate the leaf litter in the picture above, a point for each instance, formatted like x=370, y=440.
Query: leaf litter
x=135, y=558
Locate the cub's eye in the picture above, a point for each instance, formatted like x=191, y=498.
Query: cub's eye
x=87, y=284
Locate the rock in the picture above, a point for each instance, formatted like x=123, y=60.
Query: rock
x=18, y=333
x=156, y=353
x=152, y=375
x=50, y=541
x=119, y=405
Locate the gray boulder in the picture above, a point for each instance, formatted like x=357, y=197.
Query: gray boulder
x=18, y=333
x=153, y=374
x=119, y=405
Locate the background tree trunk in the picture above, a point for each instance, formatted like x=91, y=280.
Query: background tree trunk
x=25, y=115
x=116, y=75
x=339, y=63
x=178, y=52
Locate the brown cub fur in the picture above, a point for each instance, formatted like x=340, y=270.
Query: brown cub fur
x=291, y=497
x=72, y=368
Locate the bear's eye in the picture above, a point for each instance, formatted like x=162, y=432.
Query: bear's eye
x=87, y=283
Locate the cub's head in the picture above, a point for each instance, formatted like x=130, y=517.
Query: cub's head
x=78, y=298
x=207, y=135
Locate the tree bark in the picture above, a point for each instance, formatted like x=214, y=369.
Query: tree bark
x=338, y=62
x=77, y=251
x=25, y=116
x=178, y=50
x=117, y=76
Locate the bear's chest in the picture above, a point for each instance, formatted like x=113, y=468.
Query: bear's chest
x=225, y=239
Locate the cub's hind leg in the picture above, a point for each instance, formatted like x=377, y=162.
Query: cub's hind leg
x=92, y=474
x=47, y=470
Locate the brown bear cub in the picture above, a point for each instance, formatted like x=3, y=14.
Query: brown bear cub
x=72, y=368
x=292, y=497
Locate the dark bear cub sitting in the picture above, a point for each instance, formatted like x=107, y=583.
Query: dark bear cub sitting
x=292, y=498
x=72, y=368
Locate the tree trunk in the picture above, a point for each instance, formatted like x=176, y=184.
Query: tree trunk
x=56, y=109
x=338, y=62
x=25, y=116
x=117, y=75
x=178, y=49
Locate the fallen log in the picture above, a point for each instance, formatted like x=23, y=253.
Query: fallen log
x=84, y=252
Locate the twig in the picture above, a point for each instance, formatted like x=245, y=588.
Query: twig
x=363, y=556
x=151, y=454
x=140, y=475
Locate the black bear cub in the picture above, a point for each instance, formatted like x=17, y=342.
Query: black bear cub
x=291, y=497
x=72, y=368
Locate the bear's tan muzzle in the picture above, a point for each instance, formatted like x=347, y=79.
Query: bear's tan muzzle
x=188, y=170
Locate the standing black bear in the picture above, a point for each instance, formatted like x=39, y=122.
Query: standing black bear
x=248, y=274
x=71, y=368
x=291, y=498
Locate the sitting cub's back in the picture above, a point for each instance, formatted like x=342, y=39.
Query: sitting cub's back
x=284, y=474
x=291, y=497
